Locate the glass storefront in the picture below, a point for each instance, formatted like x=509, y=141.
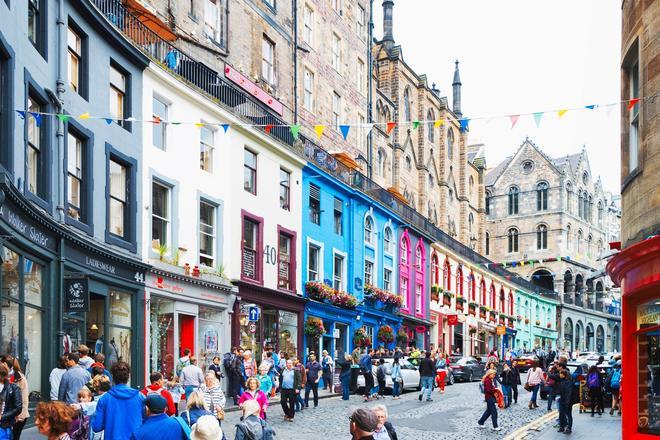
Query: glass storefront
x=276, y=328
x=211, y=331
x=648, y=373
x=161, y=321
x=341, y=342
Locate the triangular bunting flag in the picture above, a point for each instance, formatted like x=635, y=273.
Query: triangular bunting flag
x=84, y=116
x=37, y=118
x=514, y=264
x=225, y=127
x=561, y=113
x=438, y=123
x=295, y=129
x=131, y=119
x=175, y=123
x=558, y=258
x=156, y=120
x=199, y=124
x=464, y=124
x=532, y=263
x=109, y=121
x=21, y=114
x=514, y=119
x=415, y=125
x=268, y=128
x=522, y=263
x=344, y=130
x=390, y=127
x=541, y=261
x=63, y=118
x=632, y=103
x=319, y=130
x=537, y=118
x=486, y=264
x=591, y=107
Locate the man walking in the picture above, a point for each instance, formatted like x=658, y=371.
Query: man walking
x=191, y=377
x=73, y=380
x=85, y=361
x=235, y=374
x=426, y=373
x=365, y=369
x=290, y=387
x=313, y=369
x=158, y=425
x=156, y=388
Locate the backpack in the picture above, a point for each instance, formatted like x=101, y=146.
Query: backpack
x=268, y=432
x=593, y=381
x=226, y=361
x=380, y=373
x=158, y=392
x=615, y=382
x=83, y=430
x=184, y=426
x=180, y=366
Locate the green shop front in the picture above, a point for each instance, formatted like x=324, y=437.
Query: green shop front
x=59, y=290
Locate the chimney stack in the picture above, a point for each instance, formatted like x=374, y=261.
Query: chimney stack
x=388, y=37
x=456, y=85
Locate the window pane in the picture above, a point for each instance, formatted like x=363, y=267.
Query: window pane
x=119, y=346
x=117, y=181
x=159, y=110
x=162, y=344
x=120, y=308
x=160, y=215
x=117, y=217
x=32, y=361
x=10, y=273
x=206, y=234
x=33, y=279
x=249, y=234
x=117, y=79
x=10, y=328
x=160, y=196
x=288, y=337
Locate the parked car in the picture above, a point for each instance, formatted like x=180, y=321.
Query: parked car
x=408, y=371
x=466, y=368
x=524, y=361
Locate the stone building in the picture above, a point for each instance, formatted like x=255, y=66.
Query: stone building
x=554, y=212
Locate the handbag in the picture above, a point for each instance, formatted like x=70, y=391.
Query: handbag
x=220, y=414
x=528, y=387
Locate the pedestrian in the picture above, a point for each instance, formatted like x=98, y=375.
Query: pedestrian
x=397, y=379
x=507, y=379
x=216, y=368
x=235, y=374
x=206, y=428
x=85, y=361
x=366, y=370
x=355, y=369
x=183, y=361
x=98, y=366
x=533, y=383
x=363, y=424
x=313, y=371
x=345, y=375
x=290, y=387
x=254, y=393
x=613, y=383
x=55, y=377
x=80, y=426
x=119, y=411
x=327, y=363
x=507, y=356
x=249, y=365
x=191, y=376
x=426, y=374
x=195, y=408
x=491, y=402
x=265, y=380
x=12, y=400
x=298, y=366
x=158, y=425
x=441, y=372
x=17, y=377
x=514, y=386
x=381, y=374
x=552, y=383
x=213, y=395
x=565, y=390
x=251, y=426
x=53, y=420
x=384, y=430
x=595, y=384
x=73, y=380
x=157, y=388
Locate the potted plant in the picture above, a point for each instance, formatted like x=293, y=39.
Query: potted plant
x=549, y=325
x=314, y=327
x=446, y=298
x=376, y=296
x=435, y=292
x=472, y=330
x=472, y=308
x=386, y=334
x=360, y=338
x=402, y=337
x=526, y=320
x=394, y=302
x=538, y=322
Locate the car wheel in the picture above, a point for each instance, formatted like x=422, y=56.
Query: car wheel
x=451, y=379
x=469, y=379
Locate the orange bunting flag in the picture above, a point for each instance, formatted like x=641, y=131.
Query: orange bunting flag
x=390, y=127
x=632, y=103
x=561, y=113
x=268, y=128
x=319, y=130
x=156, y=120
x=438, y=123
x=84, y=116
x=514, y=119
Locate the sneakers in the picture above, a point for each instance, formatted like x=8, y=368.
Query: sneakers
x=560, y=430
x=567, y=431
x=419, y=397
x=480, y=426
x=429, y=400
x=497, y=429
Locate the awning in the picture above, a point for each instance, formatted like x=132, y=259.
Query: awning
x=346, y=160
x=150, y=20
x=395, y=192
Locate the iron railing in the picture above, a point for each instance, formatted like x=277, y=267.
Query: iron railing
x=213, y=85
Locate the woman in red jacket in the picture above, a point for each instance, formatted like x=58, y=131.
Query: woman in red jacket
x=491, y=401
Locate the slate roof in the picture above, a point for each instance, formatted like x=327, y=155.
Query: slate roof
x=494, y=173
x=573, y=160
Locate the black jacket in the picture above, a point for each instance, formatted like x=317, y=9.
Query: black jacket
x=427, y=368
x=508, y=378
x=391, y=431
x=553, y=374
x=565, y=390
x=11, y=395
x=345, y=368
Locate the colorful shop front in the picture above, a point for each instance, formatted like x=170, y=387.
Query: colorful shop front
x=59, y=290
x=185, y=311
x=536, y=321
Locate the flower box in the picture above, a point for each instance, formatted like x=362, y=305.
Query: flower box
x=360, y=338
x=323, y=293
x=459, y=306
x=526, y=320
x=538, y=323
x=402, y=337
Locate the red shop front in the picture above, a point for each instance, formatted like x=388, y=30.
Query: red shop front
x=637, y=270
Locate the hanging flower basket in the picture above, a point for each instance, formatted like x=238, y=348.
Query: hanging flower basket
x=386, y=334
x=324, y=293
x=472, y=330
x=360, y=338
x=538, y=322
x=549, y=325
x=526, y=320
x=519, y=318
x=402, y=337
x=314, y=327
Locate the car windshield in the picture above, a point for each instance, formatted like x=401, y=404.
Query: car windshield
x=454, y=359
x=461, y=361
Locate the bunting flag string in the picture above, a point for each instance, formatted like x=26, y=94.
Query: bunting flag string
x=344, y=128
x=531, y=262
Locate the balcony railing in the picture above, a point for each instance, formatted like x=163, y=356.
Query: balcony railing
x=568, y=298
x=213, y=85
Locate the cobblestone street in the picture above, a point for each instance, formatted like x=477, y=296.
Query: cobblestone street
x=452, y=415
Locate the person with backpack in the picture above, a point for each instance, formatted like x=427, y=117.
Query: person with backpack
x=195, y=408
x=235, y=373
x=595, y=385
x=366, y=370
x=380, y=377
x=183, y=361
x=613, y=383
x=552, y=383
x=158, y=425
x=327, y=363
x=157, y=388
x=507, y=379
x=251, y=426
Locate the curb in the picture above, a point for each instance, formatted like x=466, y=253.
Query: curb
x=277, y=400
x=535, y=425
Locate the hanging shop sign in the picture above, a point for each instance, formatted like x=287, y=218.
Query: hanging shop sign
x=76, y=294
x=501, y=330
x=452, y=319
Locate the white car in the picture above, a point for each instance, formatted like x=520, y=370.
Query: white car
x=408, y=371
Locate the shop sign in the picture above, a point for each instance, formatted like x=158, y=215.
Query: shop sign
x=76, y=294
x=452, y=319
x=27, y=228
x=335, y=333
x=243, y=82
x=100, y=264
x=501, y=330
x=648, y=314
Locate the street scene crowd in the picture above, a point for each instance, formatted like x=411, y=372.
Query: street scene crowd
x=90, y=402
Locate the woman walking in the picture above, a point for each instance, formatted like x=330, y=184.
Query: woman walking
x=17, y=377
x=11, y=398
x=491, y=401
x=534, y=381
x=595, y=384
x=53, y=419
x=328, y=366
x=254, y=393
x=508, y=380
x=345, y=375
x=397, y=379
x=441, y=371
x=196, y=408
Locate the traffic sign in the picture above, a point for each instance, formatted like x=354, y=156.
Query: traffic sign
x=253, y=314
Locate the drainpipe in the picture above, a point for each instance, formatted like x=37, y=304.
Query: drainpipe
x=294, y=7
x=61, y=35
x=370, y=118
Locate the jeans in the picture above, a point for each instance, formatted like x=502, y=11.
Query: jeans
x=427, y=386
x=506, y=390
x=565, y=415
x=327, y=380
x=396, y=389
x=288, y=399
x=551, y=398
x=515, y=392
x=354, y=377
x=491, y=411
x=596, y=396
x=345, y=387
x=299, y=404
x=368, y=383
x=314, y=388
x=381, y=387
x=535, y=390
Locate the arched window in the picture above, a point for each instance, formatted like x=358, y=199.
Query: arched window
x=471, y=184
x=587, y=208
x=580, y=204
x=488, y=197
x=472, y=294
x=569, y=198
x=388, y=244
x=482, y=293
x=542, y=196
x=589, y=239
x=419, y=258
x=513, y=240
x=382, y=159
x=493, y=299
x=513, y=200
x=542, y=237
x=502, y=300
x=369, y=230
x=404, y=270
x=470, y=224
x=405, y=251
x=600, y=213
x=459, y=281
x=579, y=241
x=408, y=163
x=568, y=237
x=435, y=269
x=487, y=243
x=430, y=124
x=450, y=144
x=446, y=275
x=431, y=181
x=511, y=303
x=406, y=105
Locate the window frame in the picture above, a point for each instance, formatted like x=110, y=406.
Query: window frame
x=206, y=149
x=83, y=57
x=258, y=269
x=168, y=219
x=314, y=208
x=308, y=25
x=369, y=228
x=542, y=237
x=387, y=279
x=285, y=185
x=542, y=196
x=127, y=94
x=338, y=216
x=336, y=110
x=216, y=228
x=308, y=89
x=130, y=213
x=7, y=82
x=513, y=240
x=388, y=242
x=361, y=21
x=513, y=200
x=338, y=284
x=370, y=273
x=252, y=170
x=336, y=52
x=220, y=27
x=360, y=75
x=87, y=197
x=268, y=67
x=291, y=236
x=41, y=197
x=318, y=247
x=161, y=125
x=41, y=41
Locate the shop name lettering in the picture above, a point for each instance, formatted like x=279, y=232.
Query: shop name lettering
x=105, y=267
x=28, y=231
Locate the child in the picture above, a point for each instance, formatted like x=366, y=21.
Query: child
x=380, y=376
x=266, y=383
x=565, y=402
x=80, y=427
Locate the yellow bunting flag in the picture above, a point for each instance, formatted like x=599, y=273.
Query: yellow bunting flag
x=438, y=123
x=561, y=113
x=84, y=116
x=319, y=130
x=199, y=124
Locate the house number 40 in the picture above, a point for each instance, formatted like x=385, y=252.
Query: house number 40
x=271, y=254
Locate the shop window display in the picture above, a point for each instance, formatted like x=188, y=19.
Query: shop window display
x=211, y=329
x=288, y=332
x=277, y=328
x=162, y=336
x=648, y=345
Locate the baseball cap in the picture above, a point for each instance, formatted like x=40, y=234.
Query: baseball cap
x=156, y=403
x=365, y=419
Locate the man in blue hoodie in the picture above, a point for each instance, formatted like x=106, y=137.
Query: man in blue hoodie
x=119, y=411
x=158, y=425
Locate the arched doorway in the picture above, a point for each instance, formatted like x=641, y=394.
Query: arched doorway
x=600, y=339
x=579, y=288
x=600, y=296
x=568, y=334
x=579, y=336
x=543, y=278
x=589, y=339
x=568, y=282
x=591, y=300
x=615, y=338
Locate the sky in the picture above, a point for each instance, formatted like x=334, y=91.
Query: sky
x=522, y=56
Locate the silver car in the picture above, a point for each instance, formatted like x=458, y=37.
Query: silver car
x=408, y=372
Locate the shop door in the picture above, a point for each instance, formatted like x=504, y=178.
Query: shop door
x=458, y=337
x=341, y=343
x=186, y=333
